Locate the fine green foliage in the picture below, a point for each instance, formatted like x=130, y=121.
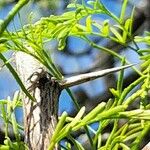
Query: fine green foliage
x=7, y=112
x=11, y=14
x=78, y=22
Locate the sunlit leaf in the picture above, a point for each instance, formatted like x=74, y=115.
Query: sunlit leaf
x=123, y=9
x=61, y=43
x=117, y=35
x=126, y=32
x=3, y=48
x=89, y=24
x=114, y=92
x=105, y=28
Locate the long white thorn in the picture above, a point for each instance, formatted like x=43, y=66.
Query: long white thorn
x=82, y=78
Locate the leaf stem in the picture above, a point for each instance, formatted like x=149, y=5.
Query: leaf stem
x=11, y=14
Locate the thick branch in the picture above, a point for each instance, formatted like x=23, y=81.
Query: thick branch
x=40, y=117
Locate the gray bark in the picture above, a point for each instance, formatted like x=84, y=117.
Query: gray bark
x=40, y=117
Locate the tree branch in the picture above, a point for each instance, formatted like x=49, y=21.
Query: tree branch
x=40, y=117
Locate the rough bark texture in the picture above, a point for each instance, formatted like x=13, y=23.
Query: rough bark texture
x=40, y=117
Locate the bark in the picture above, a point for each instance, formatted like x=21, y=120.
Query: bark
x=40, y=117
x=147, y=147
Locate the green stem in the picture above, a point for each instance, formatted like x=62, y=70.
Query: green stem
x=123, y=10
x=11, y=14
x=102, y=125
x=139, y=139
x=120, y=79
x=110, y=139
x=129, y=88
x=15, y=127
x=103, y=48
x=73, y=99
x=111, y=52
x=78, y=108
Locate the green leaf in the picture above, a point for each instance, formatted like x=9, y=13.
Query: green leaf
x=57, y=130
x=131, y=20
x=127, y=28
x=78, y=117
x=15, y=126
x=109, y=104
x=9, y=107
x=73, y=5
x=11, y=14
x=99, y=141
x=55, y=32
x=91, y=3
x=8, y=142
x=117, y=35
x=89, y=24
x=122, y=14
x=99, y=26
x=67, y=129
x=67, y=146
x=61, y=44
x=76, y=143
x=94, y=112
x=4, y=147
x=3, y=40
x=144, y=50
x=3, y=112
x=80, y=28
x=114, y=92
x=3, y=48
x=16, y=100
x=108, y=114
x=64, y=32
x=78, y=11
x=120, y=78
x=105, y=28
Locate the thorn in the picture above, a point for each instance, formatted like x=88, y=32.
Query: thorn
x=82, y=78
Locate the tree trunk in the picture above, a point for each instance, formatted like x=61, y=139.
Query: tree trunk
x=40, y=117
